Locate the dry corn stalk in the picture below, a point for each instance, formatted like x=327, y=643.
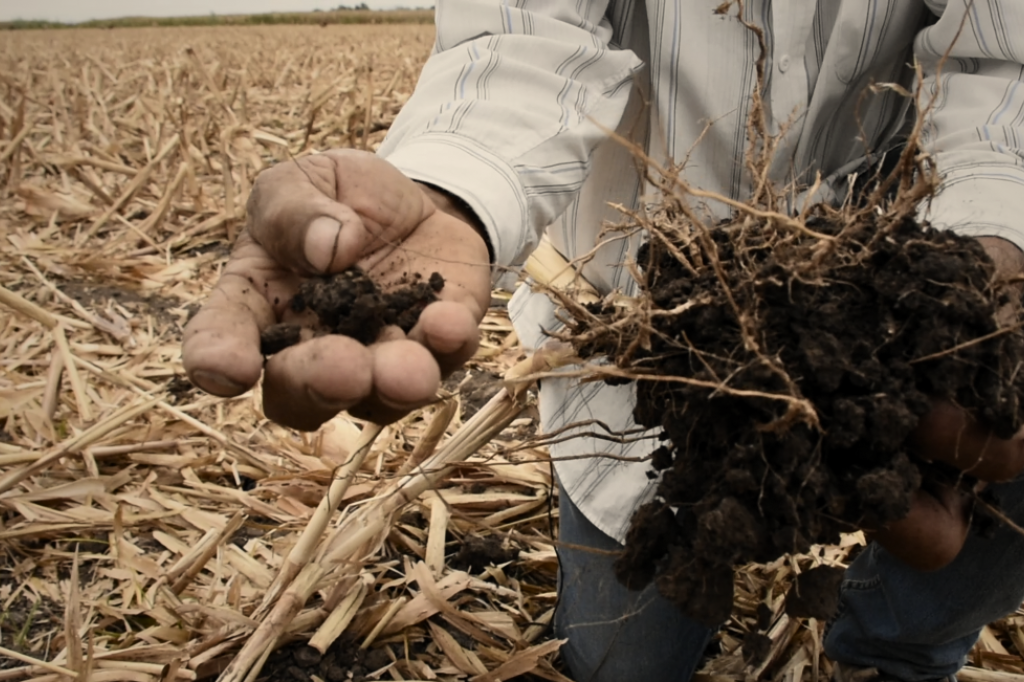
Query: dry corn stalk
x=342, y=549
x=549, y=269
x=303, y=549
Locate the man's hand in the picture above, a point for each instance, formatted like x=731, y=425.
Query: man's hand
x=935, y=530
x=320, y=215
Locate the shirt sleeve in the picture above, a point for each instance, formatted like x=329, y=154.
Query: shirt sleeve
x=976, y=128
x=509, y=109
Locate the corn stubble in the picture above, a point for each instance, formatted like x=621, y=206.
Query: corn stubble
x=190, y=526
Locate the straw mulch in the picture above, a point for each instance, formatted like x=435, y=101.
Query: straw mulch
x=142, y=523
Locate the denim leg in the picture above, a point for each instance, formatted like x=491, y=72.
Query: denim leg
x=615, y=635
x=918, y=626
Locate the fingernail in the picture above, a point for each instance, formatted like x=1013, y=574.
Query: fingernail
x=217, y=384
x=322, y=242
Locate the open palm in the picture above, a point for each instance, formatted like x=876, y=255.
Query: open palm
x=321, y=215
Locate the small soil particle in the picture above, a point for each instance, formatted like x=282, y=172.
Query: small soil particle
x=180, y=388
x=816, y=593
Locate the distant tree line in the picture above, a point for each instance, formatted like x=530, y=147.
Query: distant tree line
x=360, y=14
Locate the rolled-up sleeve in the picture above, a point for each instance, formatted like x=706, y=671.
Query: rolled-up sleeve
x=509, y=109
x=975, y=132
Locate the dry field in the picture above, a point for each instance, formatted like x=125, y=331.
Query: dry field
x=144, y=526
x=349, y=16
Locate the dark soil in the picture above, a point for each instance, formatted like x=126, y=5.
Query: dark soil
x=94, y=295
x=343, y=662
x=351, y=304
x=346, y=662
x=180, y=388
x=26, y=623
x=475, y=387
x=756, y=647
x=745, y=478
x=276, y=338
x=476, y=554
x=816, y=593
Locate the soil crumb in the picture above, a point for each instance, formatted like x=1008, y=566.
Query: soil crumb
x=477, y=553
x=180, y=388
x=756, y=648
x=815, y=593
x=351, y=304
x=276, y=338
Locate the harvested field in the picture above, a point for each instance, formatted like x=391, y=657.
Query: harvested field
x=348, y=16
x=142, y=523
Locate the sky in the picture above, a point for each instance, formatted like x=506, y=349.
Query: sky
x=72, y=11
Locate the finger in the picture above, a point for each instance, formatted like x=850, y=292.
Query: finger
x=290, y=215
x=221, y=343
x=949, y=434
x=1008, y=260
x=1006, y=256
x=405, y=374
x=307, y=384
x=932, y=534
x=322, y=213
x=406, y=377
x=391, y=332
x=449, y=331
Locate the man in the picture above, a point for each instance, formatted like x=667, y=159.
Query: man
x=505, y=136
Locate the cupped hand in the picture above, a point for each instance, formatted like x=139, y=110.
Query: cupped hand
x=934, y=531
x=321, y=215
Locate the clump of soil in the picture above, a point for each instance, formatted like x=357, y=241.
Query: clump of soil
x=351, y=304
x=179, y=388
x=815, y=592
x=786, y=369
x=477, y=553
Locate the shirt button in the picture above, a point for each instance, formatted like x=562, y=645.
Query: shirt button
x=784, y=63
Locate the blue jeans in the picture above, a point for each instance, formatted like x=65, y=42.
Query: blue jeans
x=919, y=626
x=615, y=635
x=912, y=625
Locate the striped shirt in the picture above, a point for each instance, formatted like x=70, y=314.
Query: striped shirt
x=512, y=108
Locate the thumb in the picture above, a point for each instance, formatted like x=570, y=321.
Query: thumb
x=303, y=229
x=333, y=243
x=948, y=433
x=322, y=213
x=326, y=246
